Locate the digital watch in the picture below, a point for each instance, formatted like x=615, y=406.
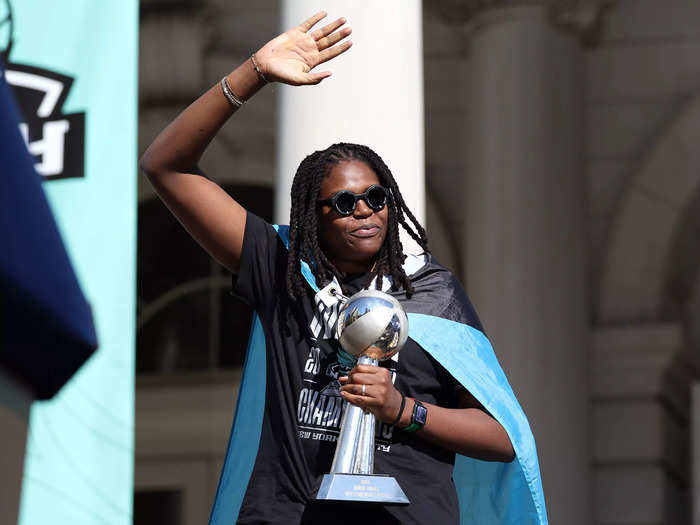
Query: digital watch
x=418, y=418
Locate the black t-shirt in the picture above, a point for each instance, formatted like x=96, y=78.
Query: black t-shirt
x=303, y=407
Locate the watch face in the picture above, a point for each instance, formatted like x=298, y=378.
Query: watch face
x=420, y=414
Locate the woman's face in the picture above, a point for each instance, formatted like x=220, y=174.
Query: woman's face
x=351, y=242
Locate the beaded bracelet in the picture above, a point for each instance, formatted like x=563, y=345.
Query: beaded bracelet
x=257, y=69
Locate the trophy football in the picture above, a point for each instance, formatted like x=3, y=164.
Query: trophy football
x=372, y=326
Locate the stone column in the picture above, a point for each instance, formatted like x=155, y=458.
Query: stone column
x=375, y=96
x=644, y=411
x=526, y=226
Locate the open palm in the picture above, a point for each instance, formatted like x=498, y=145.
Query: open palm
x=290, y=57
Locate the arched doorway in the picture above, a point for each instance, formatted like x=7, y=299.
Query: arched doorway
x=643, y=359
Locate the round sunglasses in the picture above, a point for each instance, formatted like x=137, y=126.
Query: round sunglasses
x=345, y=201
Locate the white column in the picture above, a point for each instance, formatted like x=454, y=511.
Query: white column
x=526, y=237
x=374, y=97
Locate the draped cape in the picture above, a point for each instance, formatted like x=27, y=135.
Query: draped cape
x=443, y=322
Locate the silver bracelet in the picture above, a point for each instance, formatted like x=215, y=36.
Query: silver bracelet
x=233, y=99
x=258, y=70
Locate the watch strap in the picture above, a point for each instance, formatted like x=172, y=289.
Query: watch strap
x=416, y=424
x=412, y=427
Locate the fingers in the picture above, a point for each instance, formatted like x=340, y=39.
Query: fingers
x=368, y=369
x=313, y=78
x=371, y=388
x=358, y=389
x=310, y=22
x=367, y=374
x=360, y=378
x=365, y=384
x=373, y=400
x=327, y=54
x=375, y=395
x=308, y=79
x=360, y=401
x=336, y=37
x=327, y=29
x=366, y=401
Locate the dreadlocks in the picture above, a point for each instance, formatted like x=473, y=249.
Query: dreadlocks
x=303, y=232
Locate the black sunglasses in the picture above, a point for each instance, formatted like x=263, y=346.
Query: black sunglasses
x=345, y=201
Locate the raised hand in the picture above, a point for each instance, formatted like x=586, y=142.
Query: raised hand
x=290, y=57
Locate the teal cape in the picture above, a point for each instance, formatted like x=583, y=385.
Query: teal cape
x=490, y=493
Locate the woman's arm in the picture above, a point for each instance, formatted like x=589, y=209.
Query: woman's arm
x=208, y=213
x=469, y=430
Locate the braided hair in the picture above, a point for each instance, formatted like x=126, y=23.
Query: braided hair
x=303, y=224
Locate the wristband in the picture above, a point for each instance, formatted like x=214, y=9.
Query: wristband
x=403, y=405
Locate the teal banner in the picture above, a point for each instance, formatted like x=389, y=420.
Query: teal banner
x=72, y=67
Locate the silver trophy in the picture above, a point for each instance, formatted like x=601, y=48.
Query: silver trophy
x=372, y=326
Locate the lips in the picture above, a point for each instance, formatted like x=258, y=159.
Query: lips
x=366, y=230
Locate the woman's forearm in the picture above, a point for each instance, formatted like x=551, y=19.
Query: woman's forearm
x=208, y=213
x=468, y=431
x=181, y=144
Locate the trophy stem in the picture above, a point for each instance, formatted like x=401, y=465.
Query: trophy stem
x=347, y=440
x=354, y=453
x=366, y=360
x=364, y=457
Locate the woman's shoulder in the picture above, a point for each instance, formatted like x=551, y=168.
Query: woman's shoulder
x=424, y=266
x=438, y=292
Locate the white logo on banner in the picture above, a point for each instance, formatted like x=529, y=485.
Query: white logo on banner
x=54, y=139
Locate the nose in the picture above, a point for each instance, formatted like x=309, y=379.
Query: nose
x=362, y=209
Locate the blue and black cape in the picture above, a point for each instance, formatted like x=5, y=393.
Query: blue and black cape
x=443, y=322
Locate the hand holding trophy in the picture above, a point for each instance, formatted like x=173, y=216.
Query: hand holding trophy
x=372, y=326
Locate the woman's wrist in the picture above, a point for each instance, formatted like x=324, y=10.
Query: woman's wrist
x=245, y=81
x=258, y=69
x=405, y=419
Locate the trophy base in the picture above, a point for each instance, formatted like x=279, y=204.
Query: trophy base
x=361, y=489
